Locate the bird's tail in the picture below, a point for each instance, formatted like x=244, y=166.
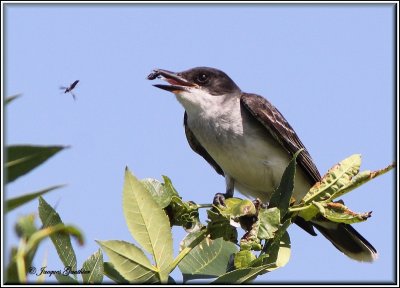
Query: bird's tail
x=345, y=238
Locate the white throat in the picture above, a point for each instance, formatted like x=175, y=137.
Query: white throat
x=241, y=146
x=200, y=102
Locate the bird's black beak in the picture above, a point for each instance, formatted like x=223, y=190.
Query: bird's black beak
x=177, y=82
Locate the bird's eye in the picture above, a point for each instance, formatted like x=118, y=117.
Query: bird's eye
x=202, y=78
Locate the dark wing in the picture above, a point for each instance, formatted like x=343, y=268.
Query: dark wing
x=73, y=85
x=281, y=130
x=196, y=146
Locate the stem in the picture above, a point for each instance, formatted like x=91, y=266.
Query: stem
x=187, y=249
x=164, y=278
x=38, y=236
x=204, y=205
x=299, y=208
x=20, y=261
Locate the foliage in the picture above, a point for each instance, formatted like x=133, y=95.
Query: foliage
x=239, y=241
x=213, y=249
x=22, y=159
x=339, y=180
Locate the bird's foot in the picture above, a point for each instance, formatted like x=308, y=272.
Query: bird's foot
x=219, y=199
x=259, y=205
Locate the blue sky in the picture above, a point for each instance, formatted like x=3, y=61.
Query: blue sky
x=328, y=68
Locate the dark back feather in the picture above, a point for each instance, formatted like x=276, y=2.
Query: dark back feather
x=281, y=130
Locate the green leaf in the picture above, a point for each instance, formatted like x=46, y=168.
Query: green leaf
x=130, y=261
x=54, y=230
x=269, y=222
x=25, y=226
x=282, y=255
x=24, y=255
x=8, y=100
x=208, y=259
x=309, y=212
x=220, y=226
x=156, y=189
x=337, y=177
x=94, y=265
x=148, y=223
x=236, y=207
x=18, y=201
x=277, y=255
x=274, y=242
x=360, y=179
x=185, y=214
x=244, y=275
x=225, y=219
x=180, y=213
x=21, y=258
x=347, y=184
x=21, y=159
x=113, y=274
x=162, y=192
x=337, y=212
x=169, y=188
x=243, y=258
x=61, y=241
x=64, y=279
x=281, y=197
x=197, y=239
x=11, y=275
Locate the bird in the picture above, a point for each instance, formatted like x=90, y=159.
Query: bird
x=70, y=88
x=248, y=141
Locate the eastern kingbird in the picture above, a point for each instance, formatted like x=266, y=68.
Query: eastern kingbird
x=249, y=142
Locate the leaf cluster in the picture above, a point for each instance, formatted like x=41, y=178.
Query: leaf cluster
x=213, y=249
x=239, y=240
x=21, y=160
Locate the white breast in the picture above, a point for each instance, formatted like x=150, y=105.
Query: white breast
x=239, y=144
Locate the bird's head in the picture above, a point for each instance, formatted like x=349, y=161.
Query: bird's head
x=197, y=86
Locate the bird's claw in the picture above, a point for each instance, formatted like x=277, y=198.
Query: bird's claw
x=219, y=199
x=259, y=205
